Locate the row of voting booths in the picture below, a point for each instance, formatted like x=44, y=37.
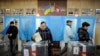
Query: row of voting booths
x=27, y=26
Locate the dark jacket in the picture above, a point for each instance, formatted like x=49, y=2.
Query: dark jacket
x=45, y=34
x=12, y=30
x=83, y=35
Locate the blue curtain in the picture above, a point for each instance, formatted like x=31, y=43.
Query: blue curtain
x=7, y=20
x=26, y=27
x=29, y=24
x=91, y=20
x=56, y=25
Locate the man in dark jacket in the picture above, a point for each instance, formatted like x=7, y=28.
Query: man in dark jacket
x=83, y=33
x=46, y=35
x=12, y=34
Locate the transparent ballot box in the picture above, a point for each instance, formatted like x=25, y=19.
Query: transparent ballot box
x=76, y=48
x=35, y=49
x=4, y=48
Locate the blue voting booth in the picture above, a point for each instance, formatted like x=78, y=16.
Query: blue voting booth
x=27, y=25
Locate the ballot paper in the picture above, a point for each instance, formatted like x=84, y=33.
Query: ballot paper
x=76, y=50
x=84, y=50
x=33, y=47
x=38, y=38
x=26, y=52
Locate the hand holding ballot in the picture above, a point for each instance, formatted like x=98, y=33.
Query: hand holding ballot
x=33, y=36
x=37, y=37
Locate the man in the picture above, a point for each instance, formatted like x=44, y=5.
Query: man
x=68, y=32
x=68, y=35
x=83, y=33
x=46, y=35
x=12, y=34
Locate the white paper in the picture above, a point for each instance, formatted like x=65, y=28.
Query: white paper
x=33, y=47
x=75, y=50
x=26, y=52
x=84, y=48
x=38, y=38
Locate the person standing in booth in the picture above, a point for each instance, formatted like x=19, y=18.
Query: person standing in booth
x=46, y=35
x=83, y=33
x=68, y=32
x=68, y=35
x=12, y=35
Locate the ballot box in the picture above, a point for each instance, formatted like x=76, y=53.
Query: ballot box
x=35, y=49
x=76, y=48
x=4, y=48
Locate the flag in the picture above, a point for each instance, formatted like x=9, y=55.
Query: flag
x=47, y=10
x=57, y=10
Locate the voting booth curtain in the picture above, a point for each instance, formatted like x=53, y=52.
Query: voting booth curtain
x=27, y=25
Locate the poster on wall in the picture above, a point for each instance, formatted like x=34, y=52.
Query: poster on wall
x=28, y=11
x=70, y=12
x=2, y=11
x=15, y=11
x=73, y=12
x=76, y=12
x=84, y=12
x=18, y=11
x=90, y=12
x=87, y=12
x=1, y=19
x=21, y=11
x=97, y=13
x=33, y=11
x=98, y=21
x=54, y=7
x=7, y=11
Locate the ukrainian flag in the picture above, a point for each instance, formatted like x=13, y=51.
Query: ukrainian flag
x=47, y=10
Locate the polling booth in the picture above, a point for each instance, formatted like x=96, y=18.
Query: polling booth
x=27, y=26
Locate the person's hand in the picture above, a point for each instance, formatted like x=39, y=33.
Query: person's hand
x=34, y=36
x=51, y=44
x=10, y=34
